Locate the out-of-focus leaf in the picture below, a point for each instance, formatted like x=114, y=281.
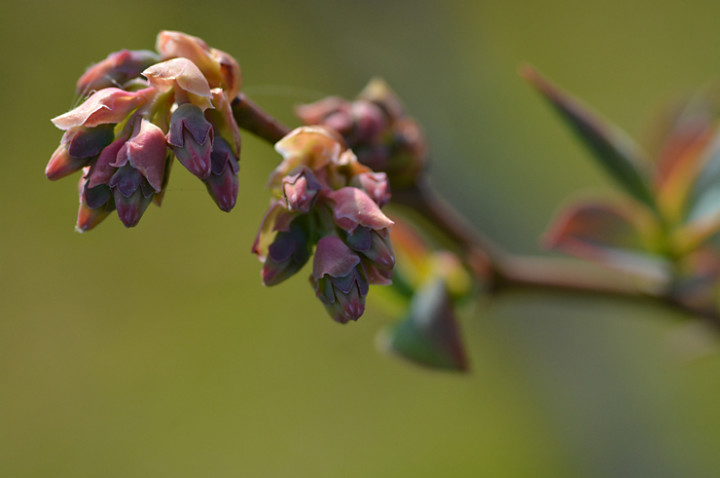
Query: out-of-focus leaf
x=688, y=138
x=616, y=152
x=696, y=281
x=413, y=256
x=430, y=335
x=704, y=198
x=622, y=236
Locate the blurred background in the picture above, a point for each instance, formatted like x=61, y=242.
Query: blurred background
x=156, y=352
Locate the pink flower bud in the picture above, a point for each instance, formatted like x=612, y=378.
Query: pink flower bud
x=191, y=138
x=115, y=70
x=354, y=208
x=185, y=77
x=146, y=152
x=300, y=190
x=109, y=105
x=339, y=282
x=62, y=164
x=310, y=146
x=222, y=184
x=220, y=69
x=375, y=185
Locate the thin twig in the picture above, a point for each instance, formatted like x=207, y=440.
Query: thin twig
x=254, y=119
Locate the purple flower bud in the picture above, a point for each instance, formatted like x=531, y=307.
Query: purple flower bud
x=115, y=70
x=300, y=190
x=109, y=105
x=88, y=142
x=338, y=279
x=184, y=77
x=146, y=152
x=373, y=244
x=222, y=184
x=288, y=253
x=375, y=185
x=354, y=208
x=92, y=209
x=191, y=139
x=77, y=148
x=130, y=209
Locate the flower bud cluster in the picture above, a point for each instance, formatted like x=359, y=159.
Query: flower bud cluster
x=141, y=110
x=376, y=127
x=326, y=199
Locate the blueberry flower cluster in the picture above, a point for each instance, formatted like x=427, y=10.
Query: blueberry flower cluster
x=324, y=198
x=141, y=110
x=376, y=127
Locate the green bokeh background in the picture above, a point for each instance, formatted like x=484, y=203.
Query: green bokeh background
x=156, y=352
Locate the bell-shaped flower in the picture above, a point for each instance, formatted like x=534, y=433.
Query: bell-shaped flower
x=300, y=190
x=222, y=184
x=140, y=164
x=115, y=70
x=338, y=279
x=354, y=208
x=109, y=105
x=191, y=139
x=220, y=69
x=184, y=77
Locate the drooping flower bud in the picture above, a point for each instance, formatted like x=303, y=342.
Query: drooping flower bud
x=222, y=184
x=115, y=70
x=109, y=105
x=300, y=190
x=288, y=253
x=191, y=139
x=375, y=246
x=95, y=204
x=338, y=279
x=354, y=208
x=140, y=164
x=131, y=194
x=77, y=148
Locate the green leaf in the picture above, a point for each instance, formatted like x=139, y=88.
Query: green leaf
x=618, y=154
x=430, y=335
